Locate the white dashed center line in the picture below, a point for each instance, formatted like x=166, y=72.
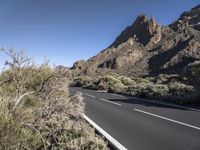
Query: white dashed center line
x=90, y=95
x=105, y=100
x=171, y=120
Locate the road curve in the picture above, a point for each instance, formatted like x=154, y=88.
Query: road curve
x=141, y=124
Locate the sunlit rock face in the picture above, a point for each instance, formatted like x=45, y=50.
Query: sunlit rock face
x=147, y=48
x=142, y=30
x=78, y=65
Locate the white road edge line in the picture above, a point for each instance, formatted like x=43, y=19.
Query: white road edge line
x=178, y=122
x=90, y=95
x=105, y=134
x=105, y=100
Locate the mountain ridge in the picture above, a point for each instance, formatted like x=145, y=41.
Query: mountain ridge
x=147, y=48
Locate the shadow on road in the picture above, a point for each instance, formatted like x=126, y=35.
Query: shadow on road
x=135, y=101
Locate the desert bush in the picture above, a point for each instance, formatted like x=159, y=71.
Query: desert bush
x=38, y=113
x=166, y=79
x=150, y=78
x=14, y=135
x=82, y=81
x=164, y=87
x=126, y=81
x=192, y=72
x=157, y=91
x=161, y=78
x=117, y=88
x=137, y=89
x=140, y=80
x=111, y=80
x=148, y=90
x=178, y=87
x=105, y=82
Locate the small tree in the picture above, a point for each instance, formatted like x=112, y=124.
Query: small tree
x=21, y=73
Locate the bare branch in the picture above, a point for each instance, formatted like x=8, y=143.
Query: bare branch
x=31, y=126
x=17, y=100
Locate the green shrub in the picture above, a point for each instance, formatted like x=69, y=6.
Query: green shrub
x=13, y=134
x=126, y=81
x=193, y=73
x=82, y=81
x=161, y=78
x=105, y=82
x=148, y=90
x=177, y=87
x=140, y=80
x=137, y=89
x=117, y=88
x=166, y=79
x=111, y=80
x=157, y=91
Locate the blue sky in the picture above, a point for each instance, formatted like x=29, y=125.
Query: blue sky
x=68, y=30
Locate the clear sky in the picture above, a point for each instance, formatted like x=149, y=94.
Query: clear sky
x=68, y=30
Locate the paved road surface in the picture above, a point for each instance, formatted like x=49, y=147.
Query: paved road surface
x=143, y=125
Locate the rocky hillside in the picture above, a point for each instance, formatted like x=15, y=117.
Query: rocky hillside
x=147, y=48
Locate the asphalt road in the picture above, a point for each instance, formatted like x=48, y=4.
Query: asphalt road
x=142, y=125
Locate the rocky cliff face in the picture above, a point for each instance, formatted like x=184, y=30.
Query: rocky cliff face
x=189, y=18
x=78, y=65
x=146, y=48
x=142, y=30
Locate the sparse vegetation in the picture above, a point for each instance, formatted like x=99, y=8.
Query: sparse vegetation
x=82, y=81
x=193, y=74
x=163, y=87
x=117, y=88
x=126, y=81
x=36, y=111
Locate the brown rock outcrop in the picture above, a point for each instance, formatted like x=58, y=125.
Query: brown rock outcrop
x=141, y=30
x=189, y=18
x=78, y=65
x=146, y=48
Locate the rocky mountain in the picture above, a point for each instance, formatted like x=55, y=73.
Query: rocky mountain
x=147, y=48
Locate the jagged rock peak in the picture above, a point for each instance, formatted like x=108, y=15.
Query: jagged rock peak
x=142, y=30
x=78, y=65
x=141, y=19
x=147, y=48
x=152, y=25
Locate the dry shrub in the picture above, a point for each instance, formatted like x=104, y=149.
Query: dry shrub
x=162, y=87
x=13, y=134
x=157, y=91
x=140, y=80
x=82, y=81
x=126, y=81
x=177, y=87
x=38, y=112
x=117, y=88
